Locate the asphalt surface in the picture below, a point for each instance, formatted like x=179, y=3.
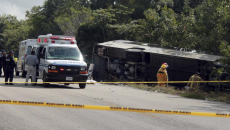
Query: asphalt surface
x=14, y=117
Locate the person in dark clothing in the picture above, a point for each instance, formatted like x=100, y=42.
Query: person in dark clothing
x=4, y=61
x=10, y=64
x=1, y=64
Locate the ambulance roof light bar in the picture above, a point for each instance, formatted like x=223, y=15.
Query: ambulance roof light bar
x=62, y=38
x=59, y=39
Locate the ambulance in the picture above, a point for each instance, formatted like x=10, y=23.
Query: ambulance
x=25, y=48
x=60, y=60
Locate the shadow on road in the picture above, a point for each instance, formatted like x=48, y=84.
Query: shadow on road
x=51, y=86
x=22, y=79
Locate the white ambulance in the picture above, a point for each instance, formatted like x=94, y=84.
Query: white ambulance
x=60, y=60
x=25, y=48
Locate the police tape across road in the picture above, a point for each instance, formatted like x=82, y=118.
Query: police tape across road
x=108, y=108
x=131, y=82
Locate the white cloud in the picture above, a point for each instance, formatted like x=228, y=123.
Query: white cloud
x=18, y=7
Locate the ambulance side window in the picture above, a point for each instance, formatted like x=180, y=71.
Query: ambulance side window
x=29, y=50
x=35, y=50
x=39, y=51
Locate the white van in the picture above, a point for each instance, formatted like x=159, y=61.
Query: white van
x=60, y=60
x=25, y=48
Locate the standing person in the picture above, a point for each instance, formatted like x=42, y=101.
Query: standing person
x=162, y=74
x=194, y=78
x=31, y=61
x=10, y=64
x=4, y=61
x=1, y=63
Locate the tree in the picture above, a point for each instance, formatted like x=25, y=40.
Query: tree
x=41, y=18
x=69, y=23
x=12, y=32
x=104, y=17
x=212, y=26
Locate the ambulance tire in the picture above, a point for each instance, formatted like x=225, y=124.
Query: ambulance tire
x=23, y=73
x=82, y=86
x=17, y=72
x=45, y=80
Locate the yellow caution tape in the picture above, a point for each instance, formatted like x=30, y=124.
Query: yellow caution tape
x=131, y=82
x=108, y=108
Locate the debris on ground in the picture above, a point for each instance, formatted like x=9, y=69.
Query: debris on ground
x=93, y=81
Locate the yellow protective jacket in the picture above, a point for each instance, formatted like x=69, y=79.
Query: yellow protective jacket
x=162, y=75
x=194, y=84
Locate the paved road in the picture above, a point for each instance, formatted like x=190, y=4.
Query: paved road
x=13, y=117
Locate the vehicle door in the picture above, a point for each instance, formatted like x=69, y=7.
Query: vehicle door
x=42, y=58
x=18, y=68
x=28, y=52
x=20, y=61
x=35, y=49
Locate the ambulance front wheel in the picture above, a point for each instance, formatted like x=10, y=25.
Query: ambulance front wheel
x=45, y=80
x=82, y=86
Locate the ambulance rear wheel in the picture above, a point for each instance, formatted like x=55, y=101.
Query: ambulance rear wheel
x=17, y=73
x=45, y=80
x=82, y=86
x=23, y=73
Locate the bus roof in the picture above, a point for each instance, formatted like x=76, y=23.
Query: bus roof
x=124, y=44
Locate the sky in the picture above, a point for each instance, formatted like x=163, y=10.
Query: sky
x=18, y=8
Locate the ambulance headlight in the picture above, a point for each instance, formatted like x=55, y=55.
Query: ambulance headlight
x=52, y=67
x=83, y=68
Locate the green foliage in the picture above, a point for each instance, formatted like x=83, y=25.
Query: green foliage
x=69, y=23
x=225, y=50
x=41, y=18
x=12, y=32
x=193, y=24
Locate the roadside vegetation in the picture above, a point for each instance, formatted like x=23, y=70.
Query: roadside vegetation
x=201, y=25
x=194, y=94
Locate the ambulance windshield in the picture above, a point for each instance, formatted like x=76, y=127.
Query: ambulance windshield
x=64, y=53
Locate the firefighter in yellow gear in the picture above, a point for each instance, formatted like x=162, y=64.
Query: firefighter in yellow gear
x=162, y=74
x=194, y=84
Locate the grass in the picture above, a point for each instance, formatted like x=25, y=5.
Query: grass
x=195, y=94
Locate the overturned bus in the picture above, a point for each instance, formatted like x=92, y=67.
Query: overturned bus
x=134, y=61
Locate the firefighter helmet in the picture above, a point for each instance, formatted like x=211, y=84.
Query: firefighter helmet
x=164, y=65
